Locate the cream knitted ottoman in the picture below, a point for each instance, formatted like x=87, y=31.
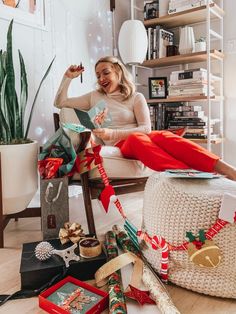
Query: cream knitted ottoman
x=173, y=207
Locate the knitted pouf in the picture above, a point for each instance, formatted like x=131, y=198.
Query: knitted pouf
x=173, y=207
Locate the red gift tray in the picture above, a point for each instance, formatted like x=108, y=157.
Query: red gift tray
x=53, y=308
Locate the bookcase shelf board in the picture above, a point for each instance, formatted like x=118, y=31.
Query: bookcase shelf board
x=213, y=141
x=181, y=99
x=191, y=16
x=182, y=59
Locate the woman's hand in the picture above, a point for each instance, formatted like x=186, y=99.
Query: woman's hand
x=103, y=134
x=74, y=71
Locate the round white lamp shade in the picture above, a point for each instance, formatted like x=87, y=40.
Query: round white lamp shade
x=132, y=42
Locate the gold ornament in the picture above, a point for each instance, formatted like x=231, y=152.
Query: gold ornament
x=207, y=256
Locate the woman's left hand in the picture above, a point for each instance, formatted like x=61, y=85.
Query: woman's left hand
x=104, y=134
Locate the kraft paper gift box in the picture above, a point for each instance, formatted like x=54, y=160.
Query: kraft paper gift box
x=36, y=273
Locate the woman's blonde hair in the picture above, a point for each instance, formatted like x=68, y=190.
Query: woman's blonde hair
x=127, y=87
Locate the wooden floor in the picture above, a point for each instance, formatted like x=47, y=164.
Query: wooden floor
x=28, y=230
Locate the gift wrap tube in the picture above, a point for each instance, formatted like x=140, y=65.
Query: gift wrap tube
x=116, y=296
x=156, y=288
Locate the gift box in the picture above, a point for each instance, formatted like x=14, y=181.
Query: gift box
x=35, y=273
x=73, y=296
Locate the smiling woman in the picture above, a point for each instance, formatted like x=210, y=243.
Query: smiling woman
x=130, y=129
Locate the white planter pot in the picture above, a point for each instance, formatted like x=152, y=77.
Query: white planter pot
x=200, y=46
x=19, y=175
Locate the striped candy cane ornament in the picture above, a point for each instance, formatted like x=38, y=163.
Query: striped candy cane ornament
x=158, y=242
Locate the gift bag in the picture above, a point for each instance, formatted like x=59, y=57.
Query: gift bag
x=54, y=206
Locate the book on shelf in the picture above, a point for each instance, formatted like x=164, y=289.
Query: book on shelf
x=166, y=38
x=97, y=117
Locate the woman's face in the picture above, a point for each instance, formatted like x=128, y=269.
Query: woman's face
x=107, y=77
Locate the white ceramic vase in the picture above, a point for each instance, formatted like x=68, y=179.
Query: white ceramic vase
x=186, y=40
x=19, y=175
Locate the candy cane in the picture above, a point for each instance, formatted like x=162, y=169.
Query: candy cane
x=156, y=243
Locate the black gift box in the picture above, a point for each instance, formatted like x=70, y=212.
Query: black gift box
x=36, y=273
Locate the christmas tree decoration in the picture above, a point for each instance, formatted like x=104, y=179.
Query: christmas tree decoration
x=142, y=297
x=208, y=255
x=44, y=250
x=71, y=232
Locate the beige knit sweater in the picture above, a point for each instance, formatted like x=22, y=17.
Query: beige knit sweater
x=128, y=116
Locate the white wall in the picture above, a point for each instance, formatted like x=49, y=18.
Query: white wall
x=230, y=81
x=75, y=32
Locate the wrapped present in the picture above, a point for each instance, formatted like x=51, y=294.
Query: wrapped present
x=36, y=273
x=73, y=296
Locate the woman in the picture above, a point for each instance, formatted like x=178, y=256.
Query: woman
x=131, y=126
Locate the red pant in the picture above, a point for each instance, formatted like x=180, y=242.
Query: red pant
x=161, y=150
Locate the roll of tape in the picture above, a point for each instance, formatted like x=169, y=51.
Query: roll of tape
x=90, y=247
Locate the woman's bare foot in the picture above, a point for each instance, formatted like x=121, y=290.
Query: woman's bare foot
x=227, y=170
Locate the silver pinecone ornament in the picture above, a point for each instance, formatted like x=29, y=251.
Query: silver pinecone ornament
x=43, y=250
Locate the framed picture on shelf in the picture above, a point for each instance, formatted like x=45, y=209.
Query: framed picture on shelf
x=157, y=87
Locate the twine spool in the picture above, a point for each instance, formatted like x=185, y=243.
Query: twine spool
x=90, y=247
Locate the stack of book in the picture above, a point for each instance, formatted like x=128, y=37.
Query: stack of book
x=182, y=5
x=178, y=115
x=189, y=83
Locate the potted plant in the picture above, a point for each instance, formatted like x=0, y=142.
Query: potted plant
x=200, y=44
x=18, y=153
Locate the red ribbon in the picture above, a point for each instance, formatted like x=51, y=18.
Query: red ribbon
x=93, y=156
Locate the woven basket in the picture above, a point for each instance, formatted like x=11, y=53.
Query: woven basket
x=174, y=206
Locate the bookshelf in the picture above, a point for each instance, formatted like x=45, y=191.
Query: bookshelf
x=203, y=15
x=192, y=16
x=183, y=59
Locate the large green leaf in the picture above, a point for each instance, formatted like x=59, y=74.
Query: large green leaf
x=5, y=125
x=11, y=96
x=24, y=91
x=35, y=98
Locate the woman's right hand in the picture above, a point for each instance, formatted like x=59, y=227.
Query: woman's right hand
x=74, y=71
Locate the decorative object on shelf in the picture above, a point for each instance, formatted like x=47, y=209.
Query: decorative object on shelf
x=71, y=232
x=200, y=44
x=186, y=40
x=73, y=296
x=157, y=87
x=171, y=50
x=44, y=250
x=132, y=42
x=90, y=247
x=151, y=10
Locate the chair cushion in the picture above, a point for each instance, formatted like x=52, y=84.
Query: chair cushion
x=117, y=166
x=173, y=207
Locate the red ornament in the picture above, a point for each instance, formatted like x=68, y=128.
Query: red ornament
x=140, y=296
